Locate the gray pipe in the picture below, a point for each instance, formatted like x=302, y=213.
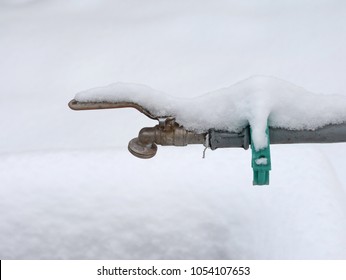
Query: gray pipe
x=333, y=133
x=328, y=134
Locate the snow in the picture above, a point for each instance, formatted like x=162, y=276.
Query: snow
x=261, y=161
x=70, y=190
x=255, y=101
x=134, y=210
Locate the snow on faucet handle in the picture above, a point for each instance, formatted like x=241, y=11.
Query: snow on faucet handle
x=254, y=101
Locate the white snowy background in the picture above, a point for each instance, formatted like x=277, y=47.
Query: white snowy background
x=70, y=190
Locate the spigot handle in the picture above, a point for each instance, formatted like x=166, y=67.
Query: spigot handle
x=77, y=105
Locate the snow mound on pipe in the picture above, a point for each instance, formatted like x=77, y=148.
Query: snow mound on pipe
x=253, y=101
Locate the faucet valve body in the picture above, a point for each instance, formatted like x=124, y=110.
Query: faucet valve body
x=167, y=133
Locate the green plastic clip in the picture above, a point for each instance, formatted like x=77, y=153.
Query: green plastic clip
x=261, y=162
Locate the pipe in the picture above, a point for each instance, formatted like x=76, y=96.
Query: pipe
x=332, y=133
x=171, y=134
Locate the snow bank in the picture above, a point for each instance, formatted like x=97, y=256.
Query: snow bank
x=252, y=101
x=106, y=204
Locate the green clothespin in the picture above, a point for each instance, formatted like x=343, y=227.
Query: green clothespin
x=261, y=162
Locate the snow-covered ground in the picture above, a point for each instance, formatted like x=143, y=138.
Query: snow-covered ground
x=69, y=188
